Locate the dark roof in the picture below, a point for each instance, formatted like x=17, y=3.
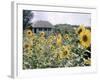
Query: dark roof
x=44, y=24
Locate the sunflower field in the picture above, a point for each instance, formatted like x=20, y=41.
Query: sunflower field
x=70, y=48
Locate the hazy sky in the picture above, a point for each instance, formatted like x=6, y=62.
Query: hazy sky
x=61, y=18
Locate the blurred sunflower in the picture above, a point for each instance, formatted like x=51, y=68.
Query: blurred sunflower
x=65, y=52
x=33, y=36
x=59, y=40
x=80, y=29
x=28, y=33
x=85, y=38
x=27, y=48
x=66, y=36
x=42, y=34
x=30, y=52
x=87, y=61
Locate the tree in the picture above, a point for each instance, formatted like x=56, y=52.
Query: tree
x=27, y=16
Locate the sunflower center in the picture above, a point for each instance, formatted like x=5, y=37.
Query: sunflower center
x=26, y=46
x=85, y=38
x=65, y=52
x=41, y=33
x=28, y=32
x=79, y=31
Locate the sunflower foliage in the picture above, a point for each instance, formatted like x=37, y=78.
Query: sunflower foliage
x=62, y=48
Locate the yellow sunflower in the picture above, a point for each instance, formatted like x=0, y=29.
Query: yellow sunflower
x=42, y=34
x=66, y=36
x=27, y=46
x=80, y=29
x=59, y=40
x=87, y=61
x=29, y=33
x=65, y=53
x=85, y=38
x=30, y=52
